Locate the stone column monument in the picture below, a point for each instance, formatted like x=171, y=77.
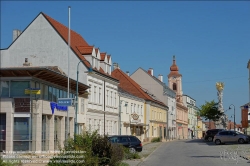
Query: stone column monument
x=221, y=124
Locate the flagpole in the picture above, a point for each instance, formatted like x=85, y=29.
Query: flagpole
x=67, y=129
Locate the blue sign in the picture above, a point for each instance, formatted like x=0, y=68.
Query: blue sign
x=60, y=108
x=64, y=102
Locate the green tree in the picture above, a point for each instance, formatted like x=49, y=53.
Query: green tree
x=210, y=111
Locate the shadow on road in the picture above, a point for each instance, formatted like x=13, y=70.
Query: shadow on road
x=206, y=156
x=200, y=141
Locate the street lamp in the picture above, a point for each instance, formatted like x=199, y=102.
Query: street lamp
x=234, y=114
x=90, y=70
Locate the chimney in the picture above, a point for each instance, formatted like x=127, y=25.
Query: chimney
x=160, y=77
x=26, y=63
x=150, y=71
x=16, y=33
x=115, y=66
x=127, y=73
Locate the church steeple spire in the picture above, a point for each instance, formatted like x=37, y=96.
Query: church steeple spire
x=174, y=70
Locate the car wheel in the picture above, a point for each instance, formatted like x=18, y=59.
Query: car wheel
x=241, y=141
x=132, y=150
x=217, y=142
x=210, y=139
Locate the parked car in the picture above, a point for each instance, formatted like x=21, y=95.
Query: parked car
x=230, y=136
x=128, y=141
x=209, y=135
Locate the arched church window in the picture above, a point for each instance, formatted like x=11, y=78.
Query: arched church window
x=174, y=86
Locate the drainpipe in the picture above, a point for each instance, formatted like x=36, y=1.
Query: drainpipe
x=120, y=109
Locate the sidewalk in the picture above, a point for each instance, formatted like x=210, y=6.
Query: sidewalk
x=148, y=149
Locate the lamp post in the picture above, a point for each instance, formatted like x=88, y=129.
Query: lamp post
x=76, y=102
x=234, y=114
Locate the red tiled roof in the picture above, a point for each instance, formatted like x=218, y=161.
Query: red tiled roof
x=129, y=85
x=103, y=56
x=75, y=38
x=77, y=43
x=85, y=50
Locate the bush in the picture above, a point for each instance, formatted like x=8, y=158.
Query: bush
x=156, y=139
x=128, y=155
x=98, y=151
x=117, y=154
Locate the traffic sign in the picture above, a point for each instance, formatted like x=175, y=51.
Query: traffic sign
x=65, y=102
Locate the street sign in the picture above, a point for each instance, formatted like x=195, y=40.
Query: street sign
x=36, y=91
x=65, y=102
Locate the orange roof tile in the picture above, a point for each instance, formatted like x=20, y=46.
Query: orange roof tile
x=103, y=56
x=75, y=38
x=129, y=85
x=77, y=43
x=85, y=50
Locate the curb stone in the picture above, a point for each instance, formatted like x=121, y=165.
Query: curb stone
x=143, y=159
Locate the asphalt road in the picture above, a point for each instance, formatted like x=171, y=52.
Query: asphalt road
x=197, y=153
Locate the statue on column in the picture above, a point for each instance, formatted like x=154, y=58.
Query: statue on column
x=222, y=121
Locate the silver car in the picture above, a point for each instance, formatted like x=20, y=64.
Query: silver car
x=230, y=136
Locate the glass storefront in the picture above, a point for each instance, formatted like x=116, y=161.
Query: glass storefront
x=2, y=131
x=44, y=147
x=22, y=134
x=4, y=89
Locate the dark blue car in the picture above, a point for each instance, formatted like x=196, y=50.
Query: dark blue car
x=128, y=141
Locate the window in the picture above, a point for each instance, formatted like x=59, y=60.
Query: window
x=153, y=115
x=111, y=98
x=44, y=148
x=4, y=89
x=50, y=93
x=17, y=88
x=123, y=139
x=95, y=99
x=107, y=97
x=133, y=139
x=90, y=125
x=152, y=131
x=100, y=95
x=22, y=134
x=131, y=108
x=2, y=131
x=115, y=100
x=89, y=93
x=134, y=108
x=174, y=86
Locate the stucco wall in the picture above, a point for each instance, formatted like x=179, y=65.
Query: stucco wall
x=43, y=46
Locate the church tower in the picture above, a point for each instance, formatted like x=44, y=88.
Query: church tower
x=175, y=82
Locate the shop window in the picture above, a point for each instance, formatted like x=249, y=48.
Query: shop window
x=17, y=88
x=44, y=120
x=2, y=132
x=22, y=134
x=4, y=89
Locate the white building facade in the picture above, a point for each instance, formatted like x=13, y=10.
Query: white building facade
x=131, y=115
x=45, y=43
x=190, y=103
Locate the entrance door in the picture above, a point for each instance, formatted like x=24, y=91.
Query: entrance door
x=164, y=132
